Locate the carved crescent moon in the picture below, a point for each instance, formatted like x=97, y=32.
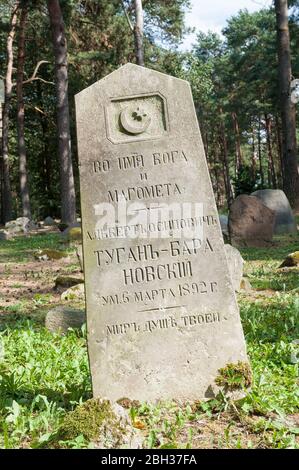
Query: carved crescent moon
x=130, y=125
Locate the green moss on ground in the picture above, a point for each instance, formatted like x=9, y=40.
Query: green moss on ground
x=87, y=420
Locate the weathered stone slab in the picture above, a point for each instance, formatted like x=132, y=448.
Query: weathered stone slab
x=162, y=317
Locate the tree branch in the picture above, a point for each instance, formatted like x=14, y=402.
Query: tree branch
x=34, y=77
x=127, y=16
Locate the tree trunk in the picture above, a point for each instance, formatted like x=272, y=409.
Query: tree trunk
x=138, y=32
x=288, y=113
x=227, y=182
x=253, y=154
x=279, y=146
x=260, y=154
x=272, y=172
x=67, y=187
x=24, y=188
x=6, y=209
x=238, y=143
x=45, y=158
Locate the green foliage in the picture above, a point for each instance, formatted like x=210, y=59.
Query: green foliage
x=246, y=181
x=38, y=384
x=235, y=376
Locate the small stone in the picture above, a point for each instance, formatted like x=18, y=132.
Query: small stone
x=245, y=284
x=49, y=254
x=67, y=281
x=291, y=260
x=76, y=292
x=105, y=423
x=5, y=235
x=60, y=319
x=73, y=234
x=48, y=222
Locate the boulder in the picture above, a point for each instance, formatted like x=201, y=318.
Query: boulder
x=276, y=200
x=48, y=222
x=60, y=319
x=235, y=265
x=20, y=225
x=67, y=281
x=250, y=222
x=76, y=292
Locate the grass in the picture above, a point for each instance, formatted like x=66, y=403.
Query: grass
x=43, y=376
x=20, y=249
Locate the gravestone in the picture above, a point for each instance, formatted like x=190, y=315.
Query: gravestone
x=162, y=317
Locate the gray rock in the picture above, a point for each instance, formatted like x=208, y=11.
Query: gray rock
x=127, y=436
x=73, y=234
x=245, y=284
x=76, y=292
x=48, y=222
x=224, y=224
x=276, y=200
x=235, y=265
x=50, y=254
x=21, y=224
x=5, y=235
x=67, y=281
x=250, y=222
x=60, y=319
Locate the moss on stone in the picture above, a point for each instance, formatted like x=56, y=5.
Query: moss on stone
x=88, y=419
x=50, y=254
x=74, y=234
x=235, y=376
x=67, y=281
x=291, y=260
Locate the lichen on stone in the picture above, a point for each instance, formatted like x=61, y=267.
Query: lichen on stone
x=235, y=376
